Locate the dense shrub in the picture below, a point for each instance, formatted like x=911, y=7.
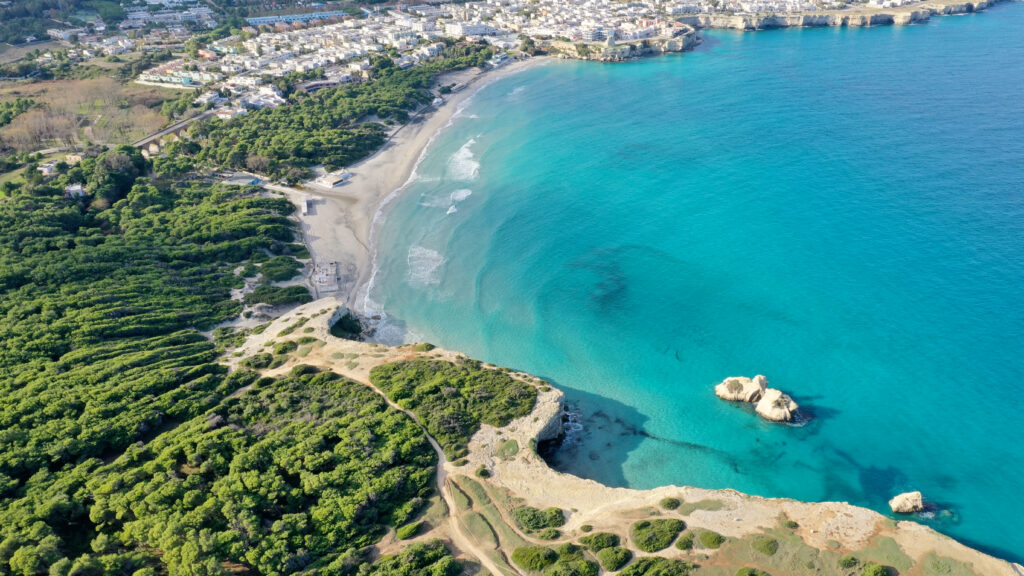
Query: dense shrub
x=277, y=296
x=418, y=559
x=534, y=558
x=280, y=268
x=765, y=545
x=657, y=566
x=657, y=534
x=670, y=503
x=530, y=518
x=453, y=399
x=709, y=539
x=599, y=541
x=614, y=558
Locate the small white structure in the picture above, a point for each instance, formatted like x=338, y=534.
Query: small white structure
x=334, y=179
x=74, y=191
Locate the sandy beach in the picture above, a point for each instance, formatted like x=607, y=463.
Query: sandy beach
x=338, y=225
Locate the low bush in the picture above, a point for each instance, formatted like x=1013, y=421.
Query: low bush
x=586, y=528
x=709, y=539
x=685, y=541
x=258, y=361
x=791, y=525
x=530, y=518
x=657, y=566
x=286, y=347
x=614, y=558
x=765, y=545
x=424, y=347
x=408, y=531
x=599, y=541
x=483, y=472
x=670, y=503
x=534, y=558
x=549, y=534
x=872, y=569
x=657, y=534
x=848, y=562
x=751, y=572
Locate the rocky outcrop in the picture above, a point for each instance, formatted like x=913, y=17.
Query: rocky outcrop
x=907, y=503
x=741, y=388
x=776, y=406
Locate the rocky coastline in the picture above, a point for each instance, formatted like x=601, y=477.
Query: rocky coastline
x=688, y=36
x=855, y=17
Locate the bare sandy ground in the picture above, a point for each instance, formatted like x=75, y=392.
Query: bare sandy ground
x=338, y=225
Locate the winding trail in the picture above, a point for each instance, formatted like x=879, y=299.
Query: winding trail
x=459, y=538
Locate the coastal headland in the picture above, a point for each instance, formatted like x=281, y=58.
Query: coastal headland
x=341, y=229
x=503, y=474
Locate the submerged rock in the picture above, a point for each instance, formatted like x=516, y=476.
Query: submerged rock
x=776, y=406
x=741, y=388
x=907, y=503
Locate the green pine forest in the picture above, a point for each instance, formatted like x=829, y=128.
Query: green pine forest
x=126, y=448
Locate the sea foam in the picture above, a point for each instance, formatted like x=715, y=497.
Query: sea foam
x=424, y=266
x=463, y=164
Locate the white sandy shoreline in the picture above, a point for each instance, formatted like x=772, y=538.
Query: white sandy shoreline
x=341, y=222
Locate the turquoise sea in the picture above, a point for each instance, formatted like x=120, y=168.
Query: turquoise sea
x=841, y=210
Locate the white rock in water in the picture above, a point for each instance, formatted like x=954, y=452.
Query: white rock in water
x=741, y=388
x=907, y=503
x=776, y=406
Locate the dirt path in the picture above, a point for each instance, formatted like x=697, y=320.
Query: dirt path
x=459, y=538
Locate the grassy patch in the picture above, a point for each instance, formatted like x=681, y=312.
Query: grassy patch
x=480, y=529
x=614, y=558
x=887, y=552
x=765, y=545
x=710, y=505
x=941, y=566
x=657, y=534
x=462, y=501
x=657, y=566
x=508, y=449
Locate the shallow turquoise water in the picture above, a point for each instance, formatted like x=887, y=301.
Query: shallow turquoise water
x=841, y=210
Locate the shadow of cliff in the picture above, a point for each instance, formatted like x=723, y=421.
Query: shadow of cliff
x=600, y=434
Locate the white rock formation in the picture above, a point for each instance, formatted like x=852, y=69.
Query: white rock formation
x=741, y=388
x=776, y=406
x=907, y=503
